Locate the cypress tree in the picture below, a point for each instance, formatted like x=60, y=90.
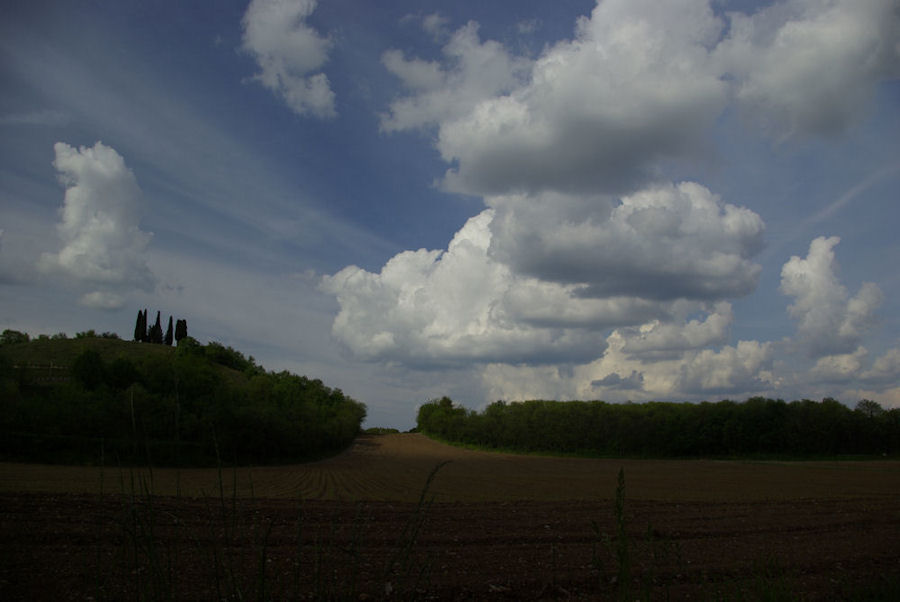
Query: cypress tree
x=156, y=333
x=137, y=327
x=180, y=330
x=142, y=329
x=168, y=340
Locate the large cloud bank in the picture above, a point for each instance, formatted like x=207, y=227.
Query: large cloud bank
x=103, y=247
x=432, y=308
x=589, y=273
x=516, y=287
x=641, y=81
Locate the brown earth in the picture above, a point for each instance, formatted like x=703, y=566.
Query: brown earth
x=501, y=527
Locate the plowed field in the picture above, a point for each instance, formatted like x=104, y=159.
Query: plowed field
x=501, y=527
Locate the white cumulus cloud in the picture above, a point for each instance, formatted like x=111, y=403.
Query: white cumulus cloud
x=663, y=242
x=474, y=71
x=662, y=340
x=102, y=300
x=839, y=367
x=885, y=370
x=433, y=307
x=634, y=85
x=641, y=82
x=829, y=321
x=582, y=234
x=102, y=243
x=808, y=66
x=737, y=368
x=617, y=375
x=656, y=258
x=694, y=371
x=290, y=54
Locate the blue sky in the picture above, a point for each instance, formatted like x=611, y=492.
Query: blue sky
x=623, y=200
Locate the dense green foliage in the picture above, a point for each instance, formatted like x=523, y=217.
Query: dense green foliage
x=380, y=430
x=12, y=337
x=73, y=399
x=757, y=426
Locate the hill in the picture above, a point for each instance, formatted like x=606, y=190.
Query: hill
x=63, y=352
x=92, y=399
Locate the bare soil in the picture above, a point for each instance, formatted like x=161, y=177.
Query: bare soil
x=500, y=527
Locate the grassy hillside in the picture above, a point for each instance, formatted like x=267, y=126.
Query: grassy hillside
x=63, y=352
x=74, y=400
x=46, y=358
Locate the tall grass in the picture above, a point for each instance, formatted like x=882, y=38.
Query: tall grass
x=401, y=565
x=235, y=548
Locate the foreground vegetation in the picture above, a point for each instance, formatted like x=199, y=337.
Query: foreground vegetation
x=98, y=398
x=757, y=426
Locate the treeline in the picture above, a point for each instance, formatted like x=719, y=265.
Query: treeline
x=14, y=337
x=191, y=405
x=154, y=334
x=757, y=426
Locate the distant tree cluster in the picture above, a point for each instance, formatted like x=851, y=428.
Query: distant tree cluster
x=380, y=430
x=757, y=426
x=91, y=334
x=13, y=337
x=154, y=334
x=189, y=406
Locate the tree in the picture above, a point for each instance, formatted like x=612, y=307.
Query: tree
x=138, y=333
x=144, y=327
x=121, y=373
x=869, y=408
x=89, y=369
x=168, y=340
x=180, y=330
x=11, y=337
x=190, y=346
x=156, y=333
x=140, y=328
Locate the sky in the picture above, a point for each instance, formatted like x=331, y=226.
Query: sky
x=621, y=200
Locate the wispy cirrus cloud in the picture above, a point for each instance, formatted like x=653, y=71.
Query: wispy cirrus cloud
x=47, y=117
